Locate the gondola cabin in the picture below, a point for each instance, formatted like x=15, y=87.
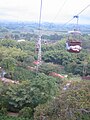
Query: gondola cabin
x=73, y=43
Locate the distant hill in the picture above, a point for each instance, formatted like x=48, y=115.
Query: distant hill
x=31, y=26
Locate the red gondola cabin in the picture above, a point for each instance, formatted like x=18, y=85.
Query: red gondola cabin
x=73, y=43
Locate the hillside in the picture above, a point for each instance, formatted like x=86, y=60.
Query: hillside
x=42, y=94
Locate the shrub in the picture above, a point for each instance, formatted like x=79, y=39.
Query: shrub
x=71, y=104
x=26, y=112
x=3, y=117
x=3, y=111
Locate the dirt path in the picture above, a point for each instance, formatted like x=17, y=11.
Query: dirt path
x=5, y=80
x=13, y=114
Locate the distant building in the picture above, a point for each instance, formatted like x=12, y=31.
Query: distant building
x=21, y=40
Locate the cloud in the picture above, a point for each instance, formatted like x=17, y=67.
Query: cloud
x=52, y=10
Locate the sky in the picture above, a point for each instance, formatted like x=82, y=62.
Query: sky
x=56, y=11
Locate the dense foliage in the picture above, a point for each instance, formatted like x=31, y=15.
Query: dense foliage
x=29, y=94
x=38, y=95
x=13, y=118
x=22, y=54
x=70, y=104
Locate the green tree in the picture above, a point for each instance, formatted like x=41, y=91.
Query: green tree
x=9, y=64
x=31, y=93
x=50, y=67
x=70, y=104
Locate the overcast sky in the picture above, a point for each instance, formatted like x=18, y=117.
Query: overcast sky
x=52, y=10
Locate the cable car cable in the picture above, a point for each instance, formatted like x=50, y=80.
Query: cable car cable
x=73, y=16
x=83, y=9
x=73, y=44
x=77, y=14
x=64, y=23
x=60, y=9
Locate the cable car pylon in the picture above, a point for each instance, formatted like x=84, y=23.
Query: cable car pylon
x=38, y=45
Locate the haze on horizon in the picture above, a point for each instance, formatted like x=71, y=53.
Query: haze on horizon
x=56, y=11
